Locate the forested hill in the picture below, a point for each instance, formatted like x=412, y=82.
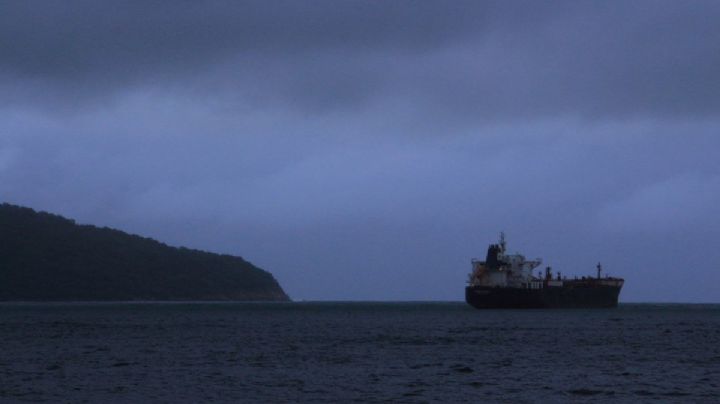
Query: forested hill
x=45, y=257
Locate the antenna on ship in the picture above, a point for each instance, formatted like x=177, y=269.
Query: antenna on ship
x=599, y=269
x=502, y=242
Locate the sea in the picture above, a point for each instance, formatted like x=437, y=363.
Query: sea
x=356, y=352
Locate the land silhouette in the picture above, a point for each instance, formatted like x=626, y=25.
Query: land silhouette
x=46, y=257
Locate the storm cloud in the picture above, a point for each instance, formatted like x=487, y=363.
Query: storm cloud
x=368, y=150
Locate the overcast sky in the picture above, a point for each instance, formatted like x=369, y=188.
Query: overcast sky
x=367, y=150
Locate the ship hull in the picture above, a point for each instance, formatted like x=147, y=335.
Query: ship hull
x=567, y=296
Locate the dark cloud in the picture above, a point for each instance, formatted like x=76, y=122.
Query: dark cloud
x=377, y=145
x=471, y=58
x=73, y=40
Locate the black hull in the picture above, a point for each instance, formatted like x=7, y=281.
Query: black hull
x=587, y=296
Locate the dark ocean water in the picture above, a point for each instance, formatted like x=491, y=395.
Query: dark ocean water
x=365, y=352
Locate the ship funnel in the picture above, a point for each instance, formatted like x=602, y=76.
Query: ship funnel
x=493, y=256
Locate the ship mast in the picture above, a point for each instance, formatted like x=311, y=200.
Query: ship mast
x=502, y=242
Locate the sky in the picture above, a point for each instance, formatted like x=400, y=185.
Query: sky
x=367, y=150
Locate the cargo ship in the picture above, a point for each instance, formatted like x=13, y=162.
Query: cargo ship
x=508, y=281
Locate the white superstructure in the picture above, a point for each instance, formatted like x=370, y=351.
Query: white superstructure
x=504, y=270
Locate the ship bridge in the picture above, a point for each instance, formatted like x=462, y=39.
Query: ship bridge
x=501, y=269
